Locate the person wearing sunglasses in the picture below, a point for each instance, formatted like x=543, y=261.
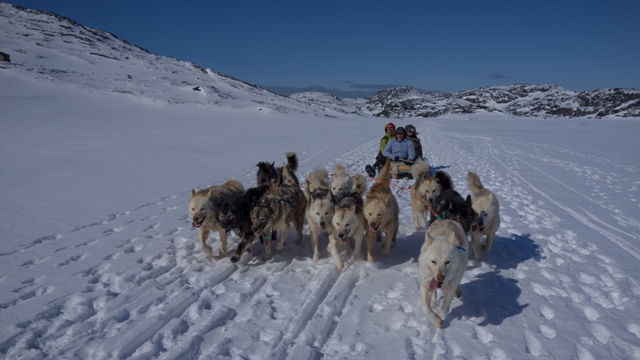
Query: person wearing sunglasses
x=412, y=135
x=389, y=133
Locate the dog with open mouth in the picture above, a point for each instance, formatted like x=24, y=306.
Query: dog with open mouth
x=203, y=209
x=486, y=205
x=381, y=212
x=320, y=207
x=442, y=262
x=348, y=222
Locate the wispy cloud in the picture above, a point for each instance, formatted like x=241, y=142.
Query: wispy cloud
x=496, y=75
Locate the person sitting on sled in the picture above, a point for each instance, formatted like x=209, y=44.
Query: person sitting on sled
x=400, y=150
x=389, y=130
x=412, y=135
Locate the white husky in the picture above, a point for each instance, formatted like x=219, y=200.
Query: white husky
x=320, y=207
x=343, y=183
x=443, y=260
x=203, y=209
x=348, y=222
x=486, y=205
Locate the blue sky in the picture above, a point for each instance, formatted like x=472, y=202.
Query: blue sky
x=355, y=48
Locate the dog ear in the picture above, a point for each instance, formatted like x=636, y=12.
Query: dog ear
x=428, y=239
x=193, y=193
x=210, y=193
x=468, y=199
x=452, y=238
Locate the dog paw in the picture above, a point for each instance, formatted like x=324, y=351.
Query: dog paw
x=385, y=249
x=206, y=249
x=266, y=258
x=369, y=258
x=280, y=246
x=316, y=257
x=235, y=258
x=340, y=266
x=438, y=323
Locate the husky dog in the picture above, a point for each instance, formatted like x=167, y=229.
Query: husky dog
x=203, y=209
x=236, y=215
x=320, y=207
x=348, y=221
x=443, y=260
x=381, y=212
x=316, y=180
x=450, y=205
x=343, y=183
x=276, y=210
x=425, y=189
x=269, y=174
x=486, y=205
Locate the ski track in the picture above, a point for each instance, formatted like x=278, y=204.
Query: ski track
x=182, y=304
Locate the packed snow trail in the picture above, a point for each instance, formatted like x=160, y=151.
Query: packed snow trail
x=142, y=289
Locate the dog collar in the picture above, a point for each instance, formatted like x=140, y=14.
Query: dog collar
x=461, y=248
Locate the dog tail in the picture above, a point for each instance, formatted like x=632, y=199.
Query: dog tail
x=384, y=174
x=475, y=185
x=420, y=168
x=292, y=161
x=444, y=180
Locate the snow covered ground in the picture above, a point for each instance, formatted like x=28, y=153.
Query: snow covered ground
x=99, y=259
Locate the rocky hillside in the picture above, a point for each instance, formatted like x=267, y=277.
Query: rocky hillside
x=518, y=100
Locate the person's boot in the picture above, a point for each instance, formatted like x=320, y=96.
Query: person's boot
x=370, y=171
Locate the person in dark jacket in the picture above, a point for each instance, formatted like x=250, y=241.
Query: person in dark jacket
x=389, y=130
x=412, y=135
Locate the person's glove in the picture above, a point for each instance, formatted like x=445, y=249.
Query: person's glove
x=397, y=158
x=408, y=163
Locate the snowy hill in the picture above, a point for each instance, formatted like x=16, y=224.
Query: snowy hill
x=48, y=46
x=99, y=259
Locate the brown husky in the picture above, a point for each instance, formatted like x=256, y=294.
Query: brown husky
x=203, y=208
x=424, y=191
x=381, y=212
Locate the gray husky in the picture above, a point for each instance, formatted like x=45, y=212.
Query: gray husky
x=280, y=206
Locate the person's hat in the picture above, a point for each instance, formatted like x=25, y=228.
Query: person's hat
x=390, y=125
x=410, y=128
x=401, y=131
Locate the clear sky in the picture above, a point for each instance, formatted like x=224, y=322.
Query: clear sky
x=354, y=47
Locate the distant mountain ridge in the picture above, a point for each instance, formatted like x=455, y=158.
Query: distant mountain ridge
x=47, y=46
x=517, y=100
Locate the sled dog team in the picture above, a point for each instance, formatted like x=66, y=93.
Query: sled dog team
x=343, y=210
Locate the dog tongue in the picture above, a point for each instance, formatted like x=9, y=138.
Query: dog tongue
x=433, y=284
x=193, y=223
